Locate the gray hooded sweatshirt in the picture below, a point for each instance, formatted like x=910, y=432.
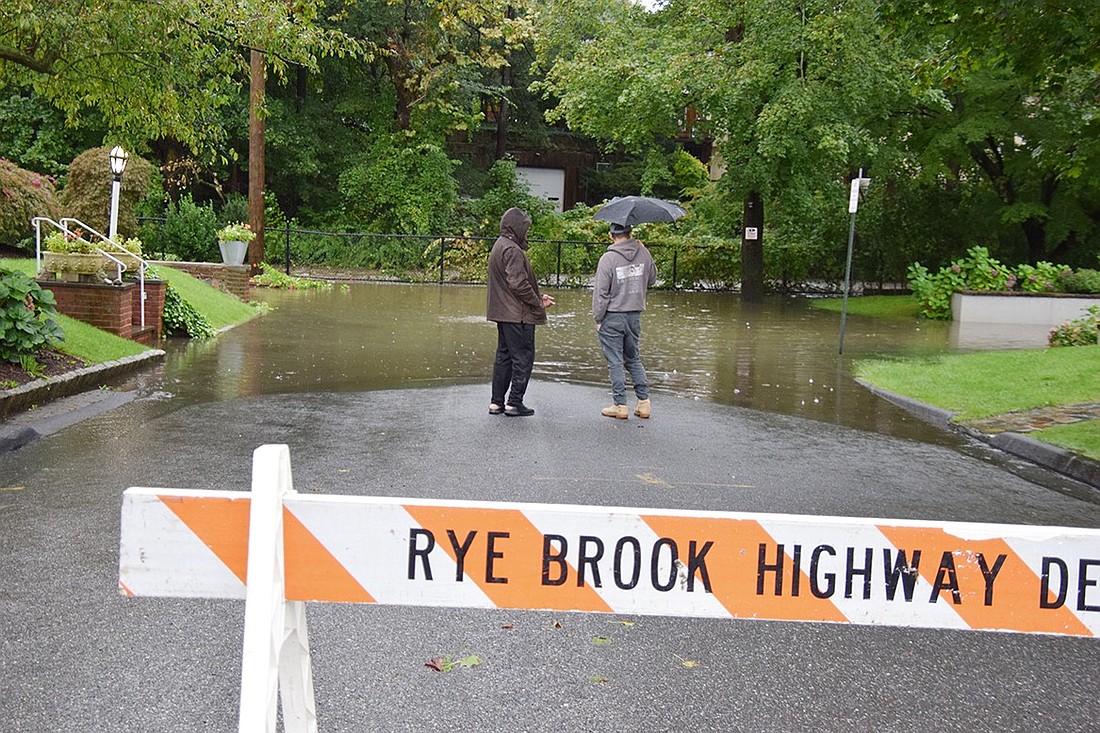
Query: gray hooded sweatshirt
x=624, y=274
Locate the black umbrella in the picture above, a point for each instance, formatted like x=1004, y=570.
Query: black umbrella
x=631, y=210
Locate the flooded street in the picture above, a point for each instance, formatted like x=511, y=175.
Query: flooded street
x=779, y=357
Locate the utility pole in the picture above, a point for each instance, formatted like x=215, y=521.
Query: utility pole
x=256, y=159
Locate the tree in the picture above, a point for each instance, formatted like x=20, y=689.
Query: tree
x=1012, y=105
x=793, y=94
x=163, y=69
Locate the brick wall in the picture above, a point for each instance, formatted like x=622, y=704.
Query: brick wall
x=233, y=279
x=154, y=305
x=108, y=307
x=113, y=308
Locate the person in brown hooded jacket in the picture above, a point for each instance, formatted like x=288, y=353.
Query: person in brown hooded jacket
x=516, y=305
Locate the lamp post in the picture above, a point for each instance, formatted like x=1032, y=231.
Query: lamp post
x=118, y=158
x=858, y=185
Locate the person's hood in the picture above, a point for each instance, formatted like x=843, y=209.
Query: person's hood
x=514, y=225
x=628, y=248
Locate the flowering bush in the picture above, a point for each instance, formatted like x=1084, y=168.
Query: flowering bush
x=236, y=232
x=23, y=194
x=1078, y=331
x=978, y=272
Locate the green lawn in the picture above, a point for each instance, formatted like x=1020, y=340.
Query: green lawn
x=96, y=346
x=878, y=306
x=1082, y=438
x=220, y=308
x=990, y=383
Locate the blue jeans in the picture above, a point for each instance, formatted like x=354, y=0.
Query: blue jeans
x=620, y=334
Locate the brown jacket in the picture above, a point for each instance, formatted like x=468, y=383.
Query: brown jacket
x=514, y=295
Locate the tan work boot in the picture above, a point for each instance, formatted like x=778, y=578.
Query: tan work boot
x=619, y=412
x=642, y=409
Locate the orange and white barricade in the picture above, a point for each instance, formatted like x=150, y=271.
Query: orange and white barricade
x=293, y=548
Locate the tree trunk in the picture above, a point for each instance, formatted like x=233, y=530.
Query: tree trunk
x=256, y=160
x=752, y=250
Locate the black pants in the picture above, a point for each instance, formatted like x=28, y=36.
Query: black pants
x=515, y=359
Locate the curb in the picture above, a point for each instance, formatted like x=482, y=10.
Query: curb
x=1044, y=454
x=80, y=380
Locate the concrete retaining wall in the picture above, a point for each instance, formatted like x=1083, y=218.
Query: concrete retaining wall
x=1025, y=309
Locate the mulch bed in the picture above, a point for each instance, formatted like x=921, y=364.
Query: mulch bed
x=53, y=363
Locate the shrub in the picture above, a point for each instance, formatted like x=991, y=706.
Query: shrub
x=24, y=194
x=399, y=189
x=978, y=272
x=181, y=318
x=189, y=232
x=1083, y=280
x=1041, y=278
x=1078, y=331
x=27, y=318
x=272, y=278
x=87, y=192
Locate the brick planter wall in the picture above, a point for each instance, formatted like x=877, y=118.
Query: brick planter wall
x=108, y=307
x=233, y=279
x=113, y=308
x=154, y=306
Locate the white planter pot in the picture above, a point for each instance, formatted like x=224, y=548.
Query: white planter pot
x=233, y=253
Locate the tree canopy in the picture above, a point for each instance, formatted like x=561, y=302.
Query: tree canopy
x=155, y=68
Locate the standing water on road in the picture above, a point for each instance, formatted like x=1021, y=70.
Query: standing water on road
x=778, y=357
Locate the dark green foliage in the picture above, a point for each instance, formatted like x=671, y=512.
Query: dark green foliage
x=1083, y=280
x=181, y=318
x=87, y=192
x=27, y=317
x=235, y=208
x=34, y=134
x=188, y=233
x=399, y=189
x=500, y=189
x=23, y=195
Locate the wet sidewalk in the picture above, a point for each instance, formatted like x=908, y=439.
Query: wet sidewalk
x=1029, y=421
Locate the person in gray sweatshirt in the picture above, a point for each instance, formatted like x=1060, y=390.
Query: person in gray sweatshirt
x=625, y=272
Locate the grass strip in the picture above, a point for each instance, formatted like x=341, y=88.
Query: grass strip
x=983, y=384
x=1082, y=438
x=875, y=306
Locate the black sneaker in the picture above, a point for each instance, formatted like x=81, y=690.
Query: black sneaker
x=519, y=410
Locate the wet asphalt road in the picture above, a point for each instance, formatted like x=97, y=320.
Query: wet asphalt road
x=77, y=656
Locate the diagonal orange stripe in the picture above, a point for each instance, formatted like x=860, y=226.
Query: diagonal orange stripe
x=221, y=524
x=312, y=572
x=732, y=566
x=1016, y=588
x=520, y=564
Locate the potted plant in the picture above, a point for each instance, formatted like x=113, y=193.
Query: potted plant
x=131, y=256
x=67, y=255
x=233, y=241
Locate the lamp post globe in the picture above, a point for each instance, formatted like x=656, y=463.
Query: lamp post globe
x=118, y=158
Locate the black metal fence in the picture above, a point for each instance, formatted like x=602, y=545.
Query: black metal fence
x=464, y=258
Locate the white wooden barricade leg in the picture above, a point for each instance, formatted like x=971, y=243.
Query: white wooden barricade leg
x=276, y=642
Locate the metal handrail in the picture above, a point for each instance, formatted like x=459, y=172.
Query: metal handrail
x=64, y=225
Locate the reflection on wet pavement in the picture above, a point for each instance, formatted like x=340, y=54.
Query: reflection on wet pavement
x=778, y=357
